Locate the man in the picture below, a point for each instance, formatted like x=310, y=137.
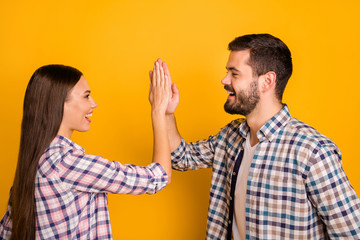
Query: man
x=274, y=177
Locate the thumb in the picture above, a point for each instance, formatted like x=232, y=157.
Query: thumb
x=174, y=92
x=174, y=89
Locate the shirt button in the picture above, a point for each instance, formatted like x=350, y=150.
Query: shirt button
x=229, y=221
x=234, y=173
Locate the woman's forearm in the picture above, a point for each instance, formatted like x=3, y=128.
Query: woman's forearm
x=161, y=148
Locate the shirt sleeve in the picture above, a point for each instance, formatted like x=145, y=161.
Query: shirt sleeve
x=6, y=224
x=194, y=155
x=90, y=173
x=333, y=196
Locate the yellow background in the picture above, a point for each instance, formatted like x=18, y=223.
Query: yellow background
x=114, y=43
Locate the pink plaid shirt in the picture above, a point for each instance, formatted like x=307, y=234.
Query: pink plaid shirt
x=71, y=191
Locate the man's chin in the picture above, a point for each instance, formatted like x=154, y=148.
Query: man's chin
x=233, y=109
x=230, y=109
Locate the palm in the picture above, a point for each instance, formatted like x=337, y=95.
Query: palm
x=174, y=100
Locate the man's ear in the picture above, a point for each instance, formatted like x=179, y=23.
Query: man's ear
x=268, y=81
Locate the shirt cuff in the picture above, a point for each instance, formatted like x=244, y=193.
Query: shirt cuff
x=159, y=178
x=177, y=154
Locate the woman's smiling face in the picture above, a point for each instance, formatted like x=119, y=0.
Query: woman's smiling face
x=78, y=107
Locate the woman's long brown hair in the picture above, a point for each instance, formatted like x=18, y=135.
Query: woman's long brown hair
x=42, y=115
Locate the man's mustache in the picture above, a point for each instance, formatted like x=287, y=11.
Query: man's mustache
x=229, y=88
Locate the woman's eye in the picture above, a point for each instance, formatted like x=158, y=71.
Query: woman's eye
x=87, y=96
x=234, y=74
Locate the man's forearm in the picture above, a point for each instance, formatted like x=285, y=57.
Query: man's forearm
x=173, y=133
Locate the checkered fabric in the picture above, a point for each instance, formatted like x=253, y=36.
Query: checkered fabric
x=296, y=187
x=71, y=191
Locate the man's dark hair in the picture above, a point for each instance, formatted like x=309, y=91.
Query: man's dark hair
x=267, y=53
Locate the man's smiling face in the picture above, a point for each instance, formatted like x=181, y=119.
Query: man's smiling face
x=240, y=84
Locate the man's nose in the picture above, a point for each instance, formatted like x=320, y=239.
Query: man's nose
x=226, y=80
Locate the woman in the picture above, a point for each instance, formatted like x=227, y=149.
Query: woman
x=59, y=192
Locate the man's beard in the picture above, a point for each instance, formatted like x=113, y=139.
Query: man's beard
x=244, y=103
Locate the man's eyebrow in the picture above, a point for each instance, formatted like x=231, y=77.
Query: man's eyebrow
x=87, y=91
x=232, y=69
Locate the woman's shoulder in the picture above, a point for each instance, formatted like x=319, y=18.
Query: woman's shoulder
x=63, y=143
x=59, y=149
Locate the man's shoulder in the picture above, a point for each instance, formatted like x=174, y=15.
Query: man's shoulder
x=306, y=133
x=232, y=131
x=236, y=122
x=233, y=126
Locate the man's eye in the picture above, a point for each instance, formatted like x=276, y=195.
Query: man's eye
x=87, y=96
x=234, y=74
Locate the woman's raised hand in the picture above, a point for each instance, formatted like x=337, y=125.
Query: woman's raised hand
x=160, y=89
x=159, y=97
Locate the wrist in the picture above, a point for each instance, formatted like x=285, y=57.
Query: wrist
x=158, y=113
x=170, y=115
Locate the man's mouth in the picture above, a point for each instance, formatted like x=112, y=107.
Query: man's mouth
x=231, y=93
x=229, y=90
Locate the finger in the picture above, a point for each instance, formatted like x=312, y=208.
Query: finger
x=150, y=75
x=166, y=71
x=166, y=84
x=158, y=76
x=159, y=61
x=162, y=77
x=150, y=87
x=168, y=87
x=150, y=93
x=154, y=76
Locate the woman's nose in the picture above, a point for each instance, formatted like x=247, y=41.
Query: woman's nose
x=93, y=103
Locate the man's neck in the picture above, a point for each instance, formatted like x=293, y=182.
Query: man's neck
x=259, y=116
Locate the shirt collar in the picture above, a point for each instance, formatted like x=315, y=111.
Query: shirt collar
x=271, y=127
x=66, y=142
x=244, y=129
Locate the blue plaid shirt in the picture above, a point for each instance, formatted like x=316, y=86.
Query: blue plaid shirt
x=296, y=187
